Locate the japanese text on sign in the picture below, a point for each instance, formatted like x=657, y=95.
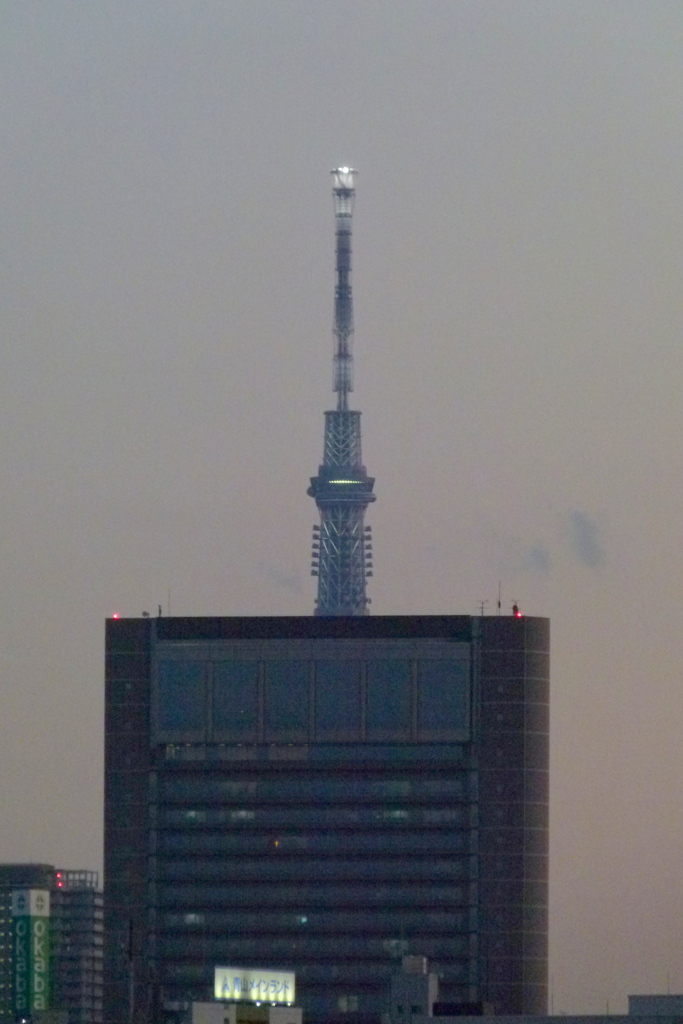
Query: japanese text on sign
x=253, y=985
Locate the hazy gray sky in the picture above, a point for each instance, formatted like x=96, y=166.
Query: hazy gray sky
x=165, y=305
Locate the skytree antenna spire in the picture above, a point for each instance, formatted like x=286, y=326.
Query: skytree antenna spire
x=342, y=544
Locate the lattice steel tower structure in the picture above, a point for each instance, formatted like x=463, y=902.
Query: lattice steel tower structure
x=342, y=544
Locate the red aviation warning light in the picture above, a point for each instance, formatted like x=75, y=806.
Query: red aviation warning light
x=515, y=611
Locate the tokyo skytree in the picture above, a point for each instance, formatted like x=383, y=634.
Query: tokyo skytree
x=342, y=544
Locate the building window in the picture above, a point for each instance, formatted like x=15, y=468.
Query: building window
x=348, y=1004
x=388, y=714
x=337, y=700
x=181, y=696
x=287, y=698
x=235, y=698
x=443, y=698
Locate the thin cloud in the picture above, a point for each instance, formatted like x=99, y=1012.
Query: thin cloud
x=584, y=536
x=513, y=555
x=283, y=580
x=537, y=559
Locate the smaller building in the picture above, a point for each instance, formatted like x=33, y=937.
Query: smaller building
x=414, y=999
x=244, y=1013
x=250, y=995
x=77, y=929
x=413, y=991
x=13, y=877
x=655, y=1006
x=75, y=941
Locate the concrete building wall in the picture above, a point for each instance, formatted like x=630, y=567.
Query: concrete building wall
x=513, y=754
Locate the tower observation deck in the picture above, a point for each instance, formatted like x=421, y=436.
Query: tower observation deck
x=342, y=544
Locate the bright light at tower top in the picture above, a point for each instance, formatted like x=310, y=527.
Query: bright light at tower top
x=344, y=178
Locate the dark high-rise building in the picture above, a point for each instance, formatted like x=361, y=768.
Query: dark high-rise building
x=325, y=795
x=342, y=544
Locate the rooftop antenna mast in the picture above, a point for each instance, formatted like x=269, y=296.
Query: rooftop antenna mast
x=342, y=544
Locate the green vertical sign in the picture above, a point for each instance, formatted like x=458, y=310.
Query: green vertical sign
x=31, y=950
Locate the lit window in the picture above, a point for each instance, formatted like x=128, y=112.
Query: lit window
x=396, y=814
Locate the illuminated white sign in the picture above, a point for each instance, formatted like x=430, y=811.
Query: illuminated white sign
x=30, y=903
x=253, y=985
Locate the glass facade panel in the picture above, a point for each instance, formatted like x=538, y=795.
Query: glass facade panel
x=235, y=698
x=271, y=895
x=299, y=750
x=342, y=948
x=398, y=818
x=322, y=789
x=337, y=700
x=262, y=869
x=320, y=922
x=370, y=973
x=443, y=698
x=454, y=754
x=210, y=843
x=181, y=696
x=388, y=710
x=287, y=699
